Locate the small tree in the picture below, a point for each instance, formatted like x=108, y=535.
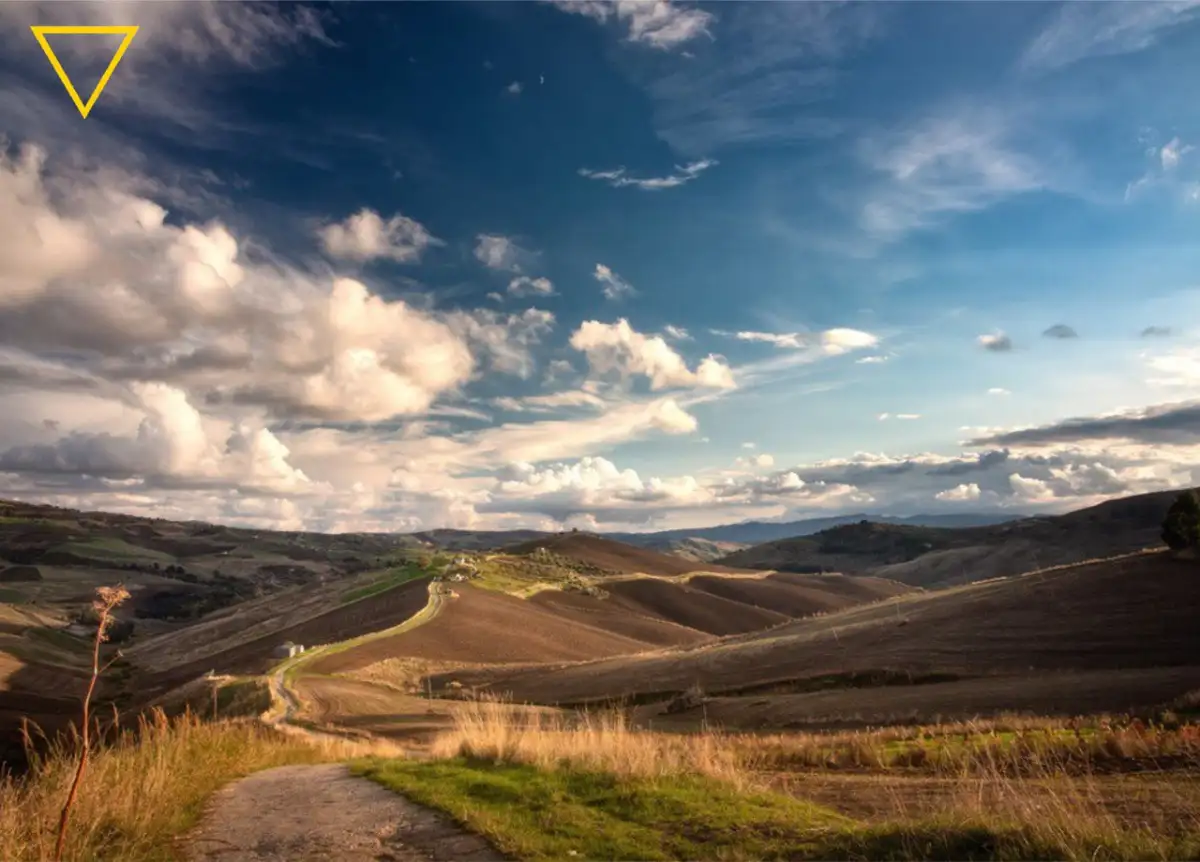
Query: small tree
x=1181, y=527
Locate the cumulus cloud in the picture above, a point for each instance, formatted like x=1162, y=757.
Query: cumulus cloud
x=367, y=236
x=620, y=178
x=514, y=89
x=617, y=348
x=657, y=23
x=760, y=460
x=612, y=285
x=676, y=333
x=1060, y=331
x=967, y=493
x=996, y=342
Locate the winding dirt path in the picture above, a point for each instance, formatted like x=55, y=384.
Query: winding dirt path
x=311, y=813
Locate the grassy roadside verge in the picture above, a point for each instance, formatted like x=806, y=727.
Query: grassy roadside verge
x=594, y=787
x=570, y=812
x=140, y=794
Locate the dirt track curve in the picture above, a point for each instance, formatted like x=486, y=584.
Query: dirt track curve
x=311, y=813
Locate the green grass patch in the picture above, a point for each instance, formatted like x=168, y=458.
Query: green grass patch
x=410, y=571
x=113, y=549
x=535, y=814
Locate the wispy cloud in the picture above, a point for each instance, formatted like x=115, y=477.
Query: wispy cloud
x=612, y=285
x=762, y=80
x=1083, y=30
x=1156, y=332
x=523, y=285
x=514, y=89
x=831, y=341
x=959, y=162
x=620, y=178
x=656, y=23
x=502, y=253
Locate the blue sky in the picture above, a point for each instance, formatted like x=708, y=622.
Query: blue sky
x=617, y=265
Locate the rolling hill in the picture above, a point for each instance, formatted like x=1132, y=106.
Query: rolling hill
x=1107, y=635
x=933, y=556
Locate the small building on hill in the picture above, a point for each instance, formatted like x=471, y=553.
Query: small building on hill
x=287, y=649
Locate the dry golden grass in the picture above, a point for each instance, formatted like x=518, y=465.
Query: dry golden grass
x=1082, y=815
x=1015, y=745
x=142, y=792
x=489, y=729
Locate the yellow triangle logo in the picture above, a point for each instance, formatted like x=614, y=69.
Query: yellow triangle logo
x=40, y=34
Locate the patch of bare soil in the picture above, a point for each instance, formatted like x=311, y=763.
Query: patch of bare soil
x=799, y=595
x=691, y=607
x=489, y=628
x=612, y=617
x=1063, y=694
x=310, y=813
x=345, y=621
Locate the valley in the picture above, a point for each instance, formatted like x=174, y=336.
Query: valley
x=786, y=672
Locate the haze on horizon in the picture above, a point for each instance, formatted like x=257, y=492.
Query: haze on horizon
x=608, y=265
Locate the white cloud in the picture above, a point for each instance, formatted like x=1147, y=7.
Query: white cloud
x=620, y=178
x=942, y=166
x=959, y=493
x=366, y=236
x=1175, y=368
x=501, y=253
x=872, y=360
x=997, y=390
x=676, y=333
x=749, y=445
x=523, y=285
x=1031, y=490
x=617, y=348
x=883, y=417
x=1083, y=30
x=505, y=341
x=996, y=342
x=657, y=23
x=761, y=460
x=832, y=342
x=514, y=89
x=613, y=286
x=1172, y=152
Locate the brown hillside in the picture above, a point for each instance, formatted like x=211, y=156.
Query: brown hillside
x=940, y=556
x=616, y=557
x=1135, y=612
x=691, y=607
x=796, y=595
x=256, y=655
x=489, y=627
x=614, y=617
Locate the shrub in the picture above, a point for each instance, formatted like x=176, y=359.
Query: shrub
x=1181, y=528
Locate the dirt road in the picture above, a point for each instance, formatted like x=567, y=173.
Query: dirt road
x=311, y=813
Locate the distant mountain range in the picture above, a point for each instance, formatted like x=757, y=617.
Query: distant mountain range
x=721, y=539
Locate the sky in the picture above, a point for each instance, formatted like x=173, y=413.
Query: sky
x=605, y=264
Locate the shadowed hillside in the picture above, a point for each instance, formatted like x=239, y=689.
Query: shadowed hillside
x=1113, y=623
x=934, y=556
